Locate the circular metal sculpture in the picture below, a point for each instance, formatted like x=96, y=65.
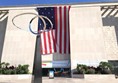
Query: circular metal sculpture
x=41, y=17
x=44, y=22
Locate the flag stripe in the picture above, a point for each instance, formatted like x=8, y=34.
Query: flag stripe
x=55, y=34
x=54, y=42
x=57, y=39
x=58, y=30
x=49, y=42
x=67, y=32
x=65, y=29
x=60, y=39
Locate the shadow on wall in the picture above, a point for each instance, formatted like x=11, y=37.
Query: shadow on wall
x=3, y=24
x=110, y=17
x=114, y=63
x=111, y=21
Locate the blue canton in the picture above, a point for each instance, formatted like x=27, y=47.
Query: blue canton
x=48, y=12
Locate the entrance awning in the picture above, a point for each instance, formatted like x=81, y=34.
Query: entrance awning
x=56, y=64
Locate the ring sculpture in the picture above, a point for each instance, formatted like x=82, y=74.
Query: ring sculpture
x=41, y=17
x=44, y=29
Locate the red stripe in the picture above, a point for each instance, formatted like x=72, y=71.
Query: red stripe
x=65, y=29
x=47, y=37
x=49, y=41
x=60, y=39
x=45, y=46
x=68, y=31
x=56, y=30
x=69, y=9
x=41, y=47
x=53, y=39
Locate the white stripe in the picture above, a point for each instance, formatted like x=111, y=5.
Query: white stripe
x=67, y=31
x=51, y=40
x=47, y=42
x=54, y=39
x=42, y=42
x=62, y=49
x=58, y=27
x=54, y=34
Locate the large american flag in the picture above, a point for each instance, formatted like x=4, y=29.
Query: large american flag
x=57, y=39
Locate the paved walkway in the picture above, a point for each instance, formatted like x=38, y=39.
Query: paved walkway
x=68, y=80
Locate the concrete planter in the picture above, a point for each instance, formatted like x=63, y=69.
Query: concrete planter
x=93, y=76
x=77, y=75
x=15, y=78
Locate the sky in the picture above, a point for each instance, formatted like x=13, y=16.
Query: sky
x=30, y=2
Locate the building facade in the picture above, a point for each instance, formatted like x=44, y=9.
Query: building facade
x=93, y=36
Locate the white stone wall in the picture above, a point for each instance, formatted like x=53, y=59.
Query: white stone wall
x=93, y=37
x=94, y=34
x=19, y=45
x=86, y=36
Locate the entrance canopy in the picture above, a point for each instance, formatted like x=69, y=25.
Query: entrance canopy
x=56, y=64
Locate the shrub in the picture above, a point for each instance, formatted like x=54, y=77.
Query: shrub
x=81, y=68
x=22, y=69
x=98, y=70
x=105, y=65
x=5, y=68
x=103, y=68
x=90, y=70
x=106, y=71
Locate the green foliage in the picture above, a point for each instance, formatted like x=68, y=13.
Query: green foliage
x=106, y=71
x=22, y=69
x=81, y=68
x=90, y=71
x=106, y=67
x=103, y=68
x=5, y=68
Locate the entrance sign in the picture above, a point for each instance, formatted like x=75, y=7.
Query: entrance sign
x=56, y=64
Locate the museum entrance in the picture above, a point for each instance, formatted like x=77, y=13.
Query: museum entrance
x=58, y=72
